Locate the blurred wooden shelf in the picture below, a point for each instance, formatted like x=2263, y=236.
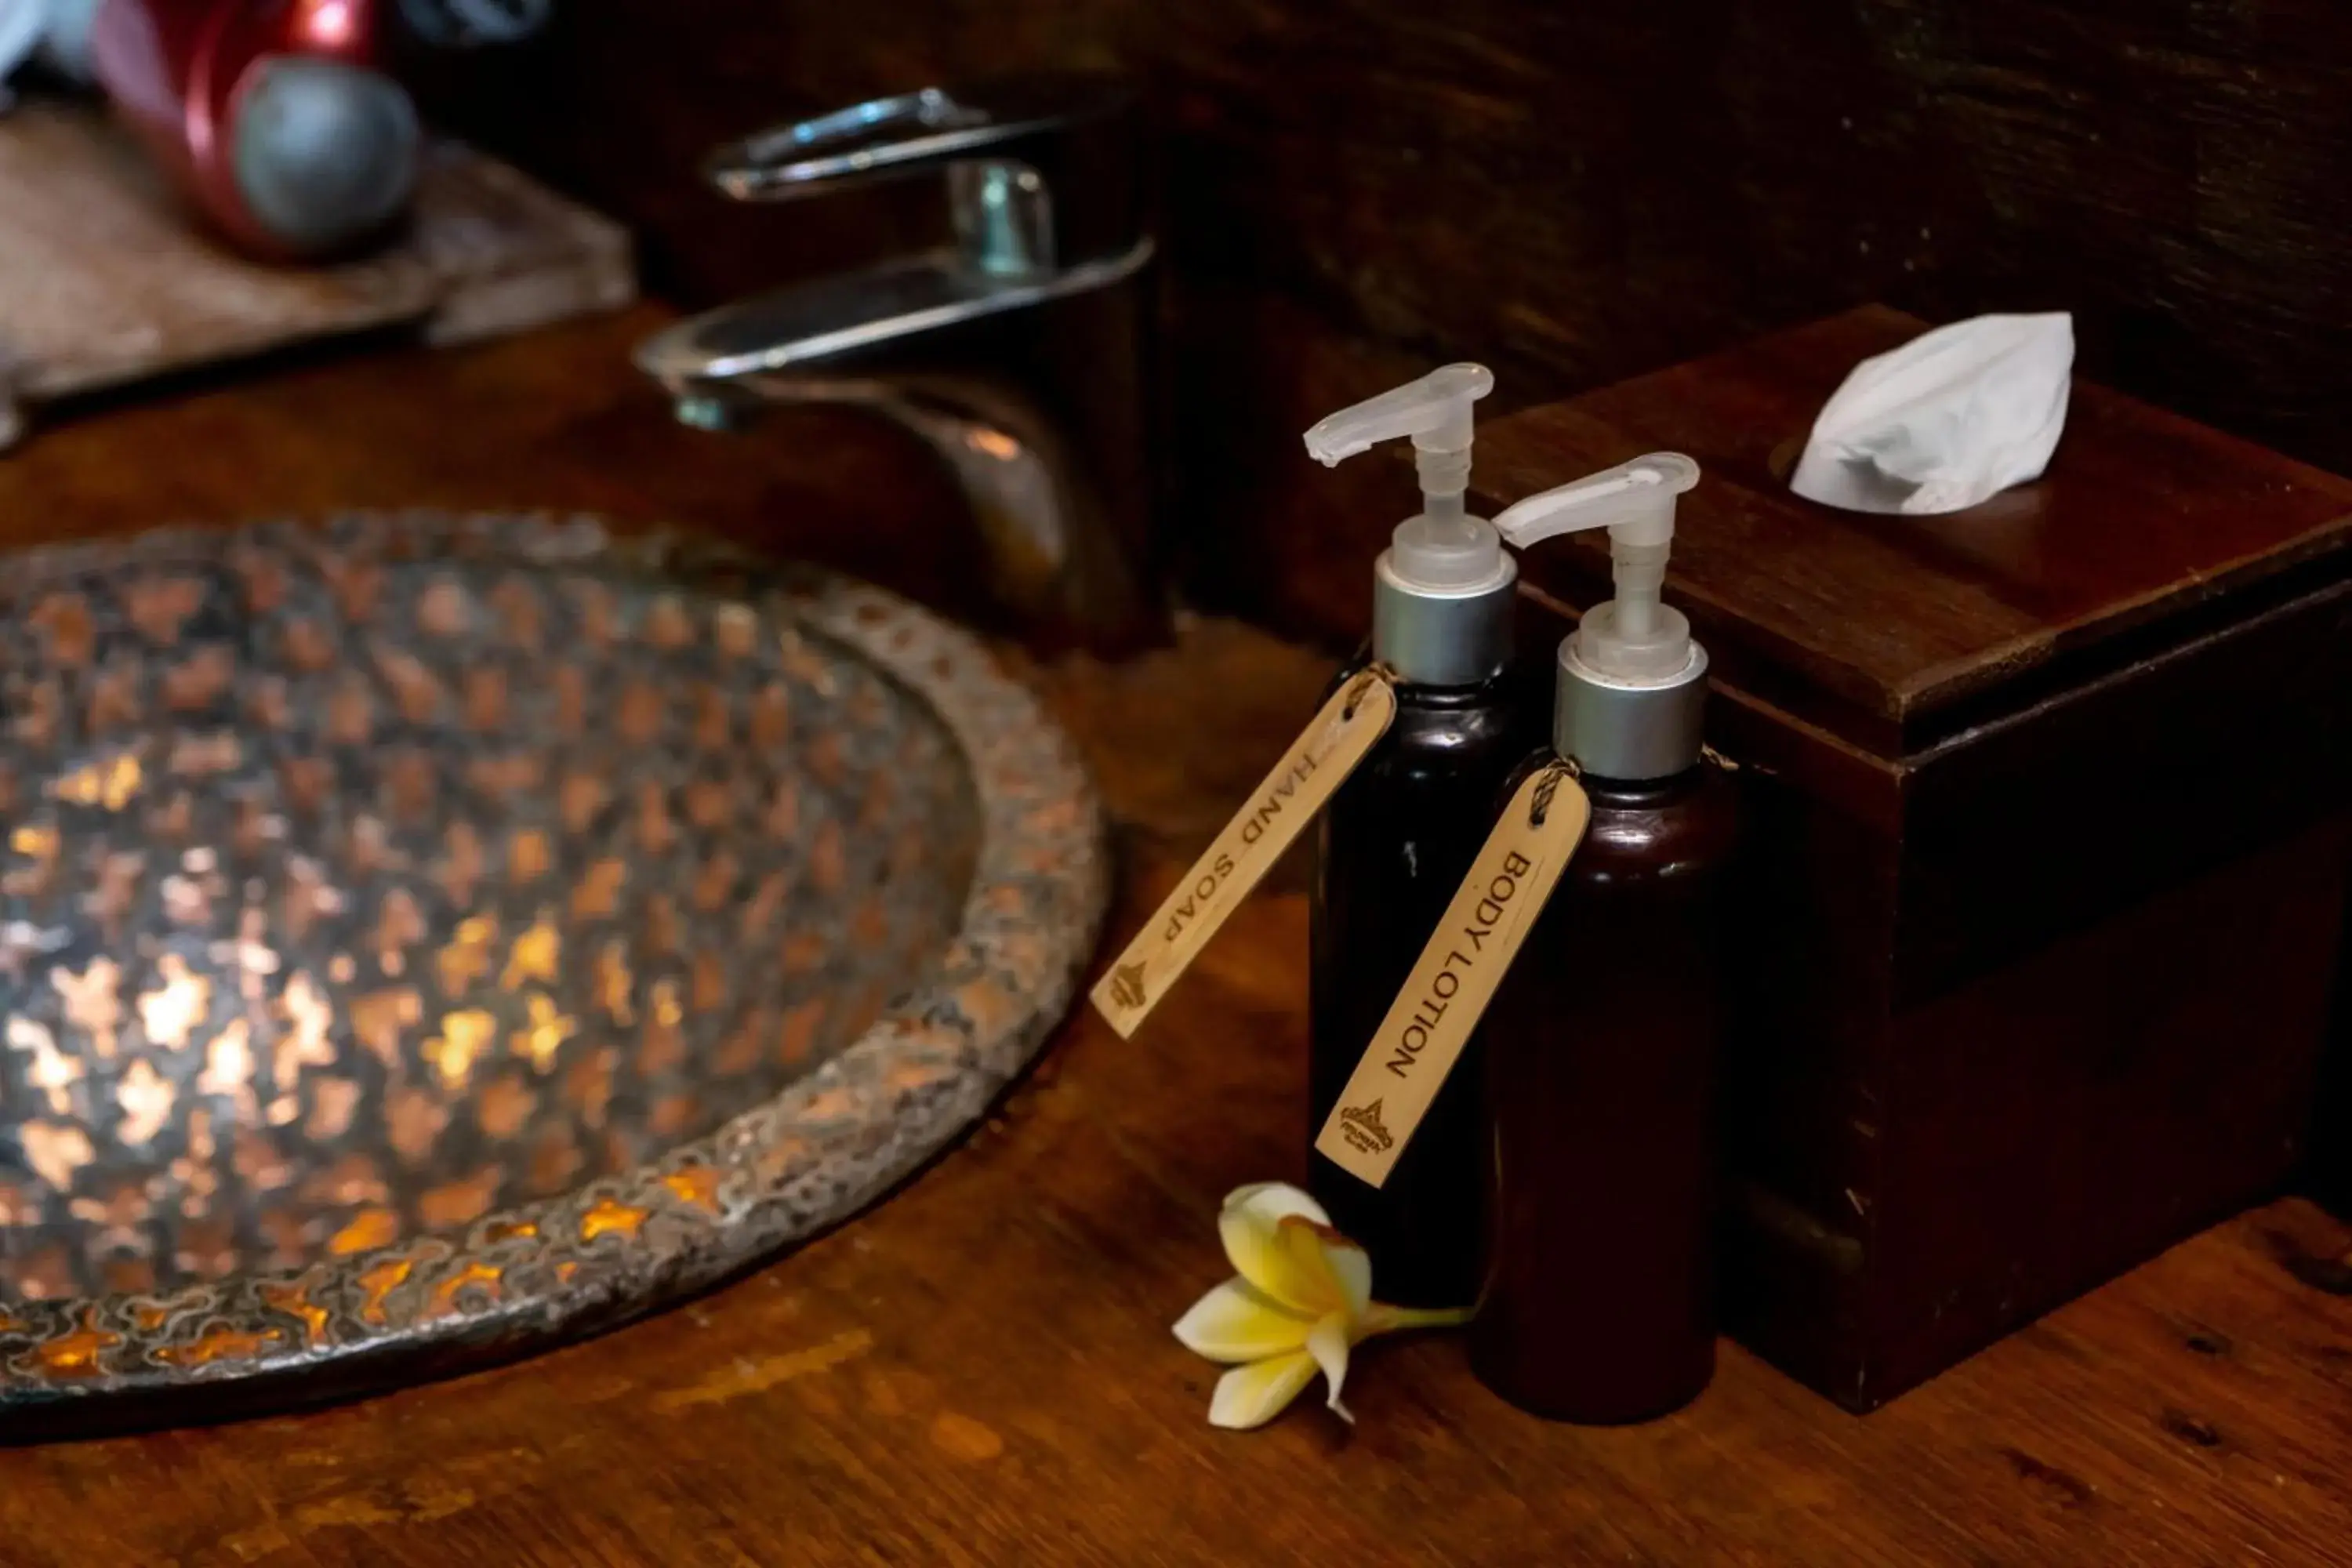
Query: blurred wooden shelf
x=107, y=279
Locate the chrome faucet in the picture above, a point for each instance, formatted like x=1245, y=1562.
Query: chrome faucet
x=1020, y=354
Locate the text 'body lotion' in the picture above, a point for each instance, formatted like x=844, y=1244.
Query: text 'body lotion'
x=1397, y=837
x=1602, y=1039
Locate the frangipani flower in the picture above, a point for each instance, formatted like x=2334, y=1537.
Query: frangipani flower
x=1303, y=1299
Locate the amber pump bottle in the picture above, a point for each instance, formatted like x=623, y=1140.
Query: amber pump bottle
x=1602, y=1040
x=1396, y=838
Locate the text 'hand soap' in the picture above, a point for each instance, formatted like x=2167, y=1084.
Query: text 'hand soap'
x=1398, y=837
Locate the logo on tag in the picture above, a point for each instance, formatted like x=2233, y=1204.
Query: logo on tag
x=1360, y=1125
x=1127, y=984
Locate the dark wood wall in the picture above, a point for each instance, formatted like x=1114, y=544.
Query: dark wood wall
x=1570, y=192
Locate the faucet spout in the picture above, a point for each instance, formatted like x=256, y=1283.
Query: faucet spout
x=1019, y=356
x=1051, y=551
x=1030, y=393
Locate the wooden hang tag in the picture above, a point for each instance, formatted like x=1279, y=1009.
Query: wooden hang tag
x=1417, y=1044
x=1318, y=762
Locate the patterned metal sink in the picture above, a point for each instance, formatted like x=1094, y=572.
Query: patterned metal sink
x=423, y=937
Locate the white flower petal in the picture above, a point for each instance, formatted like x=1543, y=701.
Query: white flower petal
x=1253, y=1394
x=1277, y=1248
x=1237, y=1322
x=1352, y=1268
x=1272, y=1200
x=1327, y=1344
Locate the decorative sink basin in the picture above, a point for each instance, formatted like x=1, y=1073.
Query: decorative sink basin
x=426, y=938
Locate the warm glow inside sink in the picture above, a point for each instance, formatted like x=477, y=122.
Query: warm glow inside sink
x=426, y=936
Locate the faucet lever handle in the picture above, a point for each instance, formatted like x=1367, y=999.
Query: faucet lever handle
x=879, y=138
x=1010, y=150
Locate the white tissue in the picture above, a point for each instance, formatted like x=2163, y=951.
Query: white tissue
x=1945, y=421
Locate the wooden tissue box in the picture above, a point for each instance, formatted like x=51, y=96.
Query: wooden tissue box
x=2047, y=844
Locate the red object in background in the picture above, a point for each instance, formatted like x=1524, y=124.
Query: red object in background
x=270, y=113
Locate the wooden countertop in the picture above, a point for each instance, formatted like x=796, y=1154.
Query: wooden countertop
x=981, y=1370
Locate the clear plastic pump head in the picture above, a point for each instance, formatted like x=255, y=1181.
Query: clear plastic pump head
x=1442, y=549
x=1633, y=638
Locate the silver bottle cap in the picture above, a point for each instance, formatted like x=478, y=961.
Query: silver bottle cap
x=1443, y=635
x=1615, y=728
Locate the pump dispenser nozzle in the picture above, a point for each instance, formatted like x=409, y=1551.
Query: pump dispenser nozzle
x=1443, y=547
x=1443, y=594
x=1633, y=638
x=1631, y=679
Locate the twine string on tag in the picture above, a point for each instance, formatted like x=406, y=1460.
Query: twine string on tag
x=1559, y=768
x=1363, y=683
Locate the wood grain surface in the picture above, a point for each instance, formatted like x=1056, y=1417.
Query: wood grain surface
x=981, y=1372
